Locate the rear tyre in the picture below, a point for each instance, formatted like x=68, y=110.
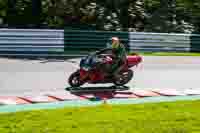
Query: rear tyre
x=123, y=78
x=74, y=80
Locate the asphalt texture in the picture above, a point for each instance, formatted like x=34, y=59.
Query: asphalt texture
x=37, y=77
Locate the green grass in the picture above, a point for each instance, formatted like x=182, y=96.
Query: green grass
x=176, y=117
x=144, y=53
x=169, y=54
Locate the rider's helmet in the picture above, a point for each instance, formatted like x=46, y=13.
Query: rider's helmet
x=115, y=39
x=115, y=42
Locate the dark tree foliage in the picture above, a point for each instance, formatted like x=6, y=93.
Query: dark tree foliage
x=180, y=16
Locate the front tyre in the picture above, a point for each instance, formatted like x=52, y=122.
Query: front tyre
x=123, y=78
x=74, y=80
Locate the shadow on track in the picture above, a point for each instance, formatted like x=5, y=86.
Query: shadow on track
x=97, y=89
x=99, y=93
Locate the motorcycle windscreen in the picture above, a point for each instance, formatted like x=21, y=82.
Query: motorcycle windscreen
x=88, y=62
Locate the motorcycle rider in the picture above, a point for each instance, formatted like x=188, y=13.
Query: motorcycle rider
x=118, y=56
x=118, y=59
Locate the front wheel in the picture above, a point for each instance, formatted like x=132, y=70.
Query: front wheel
x=74, y=80
x=123, y=78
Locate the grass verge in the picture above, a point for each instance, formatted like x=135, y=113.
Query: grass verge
x=168, y=54
x=176, y=117
x=143, y=53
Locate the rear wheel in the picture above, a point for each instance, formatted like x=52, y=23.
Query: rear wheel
x=74, y=80
x=123, y=78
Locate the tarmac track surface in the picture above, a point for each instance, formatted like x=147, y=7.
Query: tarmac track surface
x=33, y=77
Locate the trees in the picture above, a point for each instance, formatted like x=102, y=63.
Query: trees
x=36, y=12
x=134, y=15
x=137, y=15
x=3, y=13
x=23, y=13
x=191, y=11
x=60, y=13
x=170, y=16
x=121, y=15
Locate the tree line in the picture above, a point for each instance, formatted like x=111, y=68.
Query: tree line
x=171, y=16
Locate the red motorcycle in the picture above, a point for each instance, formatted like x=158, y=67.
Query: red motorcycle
x=94, y=69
